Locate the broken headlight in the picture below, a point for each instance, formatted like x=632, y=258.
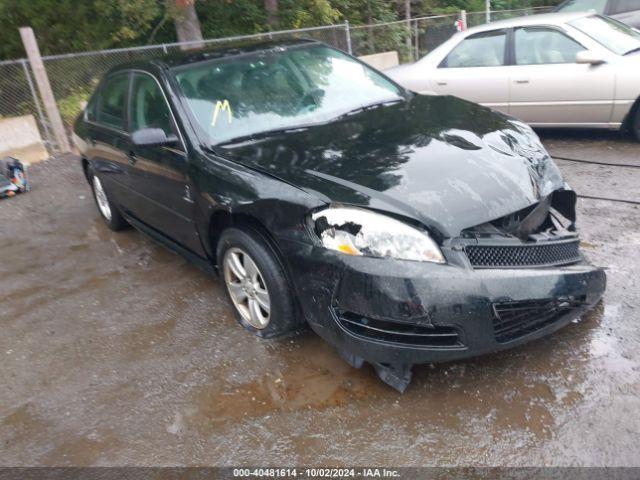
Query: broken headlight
x=356, y=231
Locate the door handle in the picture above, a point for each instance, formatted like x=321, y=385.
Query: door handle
x=522, y=81
x=131, y=156
x=442, y=84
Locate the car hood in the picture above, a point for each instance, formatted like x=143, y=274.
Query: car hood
x=445, y=162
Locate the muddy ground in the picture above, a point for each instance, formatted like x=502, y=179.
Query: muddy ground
x=114, y=351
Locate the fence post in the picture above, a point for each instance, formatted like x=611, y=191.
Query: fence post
x=487, y=4
x=164, y=48
x=347, y=32
x=44, y=87
x=463, y=17
x=36, y=102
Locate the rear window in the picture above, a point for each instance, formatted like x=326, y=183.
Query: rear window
x=112, y=99
x=484, y=49
x=91, y=108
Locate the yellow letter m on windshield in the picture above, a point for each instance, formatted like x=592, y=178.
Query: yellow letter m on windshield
x=224, y=106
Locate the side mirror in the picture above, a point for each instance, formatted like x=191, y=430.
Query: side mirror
x=590, y=57
x=147, y=137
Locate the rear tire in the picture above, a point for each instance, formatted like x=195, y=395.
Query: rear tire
x=107, y=209
x=256, y=283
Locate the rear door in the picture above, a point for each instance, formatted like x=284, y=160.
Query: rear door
x=107, y=136
x=549, y=88
x=159, y=173
x=476, y=70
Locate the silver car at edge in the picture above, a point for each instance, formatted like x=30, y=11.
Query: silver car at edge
x=552, y=70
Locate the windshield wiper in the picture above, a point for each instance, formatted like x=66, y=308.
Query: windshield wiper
x=297, y=128
x=370, y=106
x=264, y=134
x=637, y=49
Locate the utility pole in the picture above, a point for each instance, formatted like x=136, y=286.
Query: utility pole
x=488, y=10
x=44, y=87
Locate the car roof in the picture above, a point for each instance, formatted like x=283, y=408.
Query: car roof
x=556, y=18
x=226, y=49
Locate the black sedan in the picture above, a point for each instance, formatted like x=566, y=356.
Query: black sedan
x=402, y=228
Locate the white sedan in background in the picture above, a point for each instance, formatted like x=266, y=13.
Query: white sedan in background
x=551, y=70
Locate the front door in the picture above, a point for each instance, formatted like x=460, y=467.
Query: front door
x=159, y=173
x=549, y=88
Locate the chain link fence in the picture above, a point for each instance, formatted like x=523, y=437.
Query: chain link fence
x=74, y=76
x=415, y=38
x=19, y=97
x=410, y=38
x=479, y=18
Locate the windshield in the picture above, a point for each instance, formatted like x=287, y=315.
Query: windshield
x=278, y=89
x=614, y=35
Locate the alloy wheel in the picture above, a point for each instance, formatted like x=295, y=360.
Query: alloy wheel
x=247, y=288
x=101, y=198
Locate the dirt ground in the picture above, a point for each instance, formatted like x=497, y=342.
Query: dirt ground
x=114, y=351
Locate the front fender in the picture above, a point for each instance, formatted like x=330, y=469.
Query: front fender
x=224, y=189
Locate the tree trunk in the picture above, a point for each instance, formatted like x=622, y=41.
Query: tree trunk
x=187, y=24
x=370, y=40
x=271, y=6
x=407, y=15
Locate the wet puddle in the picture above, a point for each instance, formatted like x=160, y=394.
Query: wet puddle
x=314, y=378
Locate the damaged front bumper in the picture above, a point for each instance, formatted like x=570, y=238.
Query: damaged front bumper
x=395, y=313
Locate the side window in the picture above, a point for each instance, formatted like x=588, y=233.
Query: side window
x=484, y=49
x=149, y=108
x=537, y=46
x=110, y=108
x=623, y=6
x=91, y=108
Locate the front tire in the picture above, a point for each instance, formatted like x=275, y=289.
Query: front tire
x=256, y=284
x=107, y=209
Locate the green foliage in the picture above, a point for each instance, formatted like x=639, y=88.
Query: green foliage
x=132, y=18
x=360, y=12
x=71, y=105
x=225, y=18
x=75, y=25
x=307, y=13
